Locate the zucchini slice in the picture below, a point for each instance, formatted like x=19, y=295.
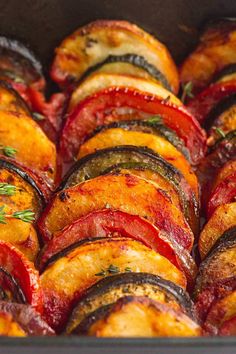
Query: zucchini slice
x=220, y=265
x=228, y=73
x=111, y=289
x=143, y=162
x=11, y=101
x=70, y=274
x=137, y=316
x=215, y=51
x=91, y=45
x=154, y=126
x=33, y=148
x=221, y=220
x=117, y=136
x=127, y=193
x=19, y=64
x=98, y=82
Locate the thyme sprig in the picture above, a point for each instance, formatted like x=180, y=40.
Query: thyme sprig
x=187, y=91
x=7, y=189
x=112, y=269
x=24, y=215
x=8, y=151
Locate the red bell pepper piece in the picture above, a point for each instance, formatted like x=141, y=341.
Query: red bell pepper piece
x=118, y=103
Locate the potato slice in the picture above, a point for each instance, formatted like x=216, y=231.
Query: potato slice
x=80, y=266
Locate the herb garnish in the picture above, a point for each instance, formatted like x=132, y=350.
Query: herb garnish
x=219, y=132
x=8, y=151
x=155, y=119
x=7, y=189
x=24, y=215
x=187, y=91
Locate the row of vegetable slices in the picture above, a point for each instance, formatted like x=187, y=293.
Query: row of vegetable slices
x=99, y=196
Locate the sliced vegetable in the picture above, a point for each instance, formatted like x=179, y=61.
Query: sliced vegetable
x=116, y=136
x=90, y=45
x=203, y=103
x=221, y=220
x=8, y=327
x=16, y=264
x=135, y=316
x=110, y=289
x=218, y=266
x=113, y=223
x=28, y=319
x=10, y=100
x=101, y=81
x=221, y=311
x=129, y=193
x=154, y=168
x=214, y=52
x=32, y=146
x=70, y=274
x=228, y=328
x=223, y=193
x=120, y=104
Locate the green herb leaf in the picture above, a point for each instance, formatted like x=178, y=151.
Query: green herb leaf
x=187, y=91
x=8, y=151
x=101, y=274
x=2, y=215
x=113, y=269
x=24, y=215
x=219, y=132
x=38, y=117
x=128, y=269
x=7, y=189
x=155, y=119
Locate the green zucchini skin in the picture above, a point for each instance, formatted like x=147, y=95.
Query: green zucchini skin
x=110, y=289
x=153, y=126
x=134, y=59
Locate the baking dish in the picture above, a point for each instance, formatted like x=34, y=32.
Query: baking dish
x=42, y=24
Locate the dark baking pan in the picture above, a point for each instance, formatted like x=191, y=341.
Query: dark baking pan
x=42, y=24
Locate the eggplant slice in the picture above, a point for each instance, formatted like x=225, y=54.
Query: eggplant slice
x=110, y=289
x=95, y=43
x=137, y=316
x=11, y=101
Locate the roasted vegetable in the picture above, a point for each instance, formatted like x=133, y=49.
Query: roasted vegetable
x=10, y=100
x=221, y=220
x=221, y=310
x=228, y=328
x=70, y=274
x=156, y=169
x=90, y=45
x=202, y=104
x=110, y=289
x=228, y=73
x=128, y=193
x=28, y=319
x=154, y=126
x=113, y=223
x=22, y=272
x=214, y=52
x=135, y=316
x=8, y=327
x=32, y=146
x=218, y=266
x=223, y=193
x=120, y=104
x=116, y=136
x=98, y=82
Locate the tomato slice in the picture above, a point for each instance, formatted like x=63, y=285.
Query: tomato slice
x=23, y=271
x=112, y=223
x=120, y=103
x=201, y=105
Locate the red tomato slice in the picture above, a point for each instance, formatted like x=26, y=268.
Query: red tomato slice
x=201, y=105
x=16, y=264
x=112, y=223
x=119, y=103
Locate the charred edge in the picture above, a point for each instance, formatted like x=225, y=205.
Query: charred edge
x=228, y=137
x=18, y=294
x=227, y=70
x=228, y=235
x=7, y=86
x=24, y=175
